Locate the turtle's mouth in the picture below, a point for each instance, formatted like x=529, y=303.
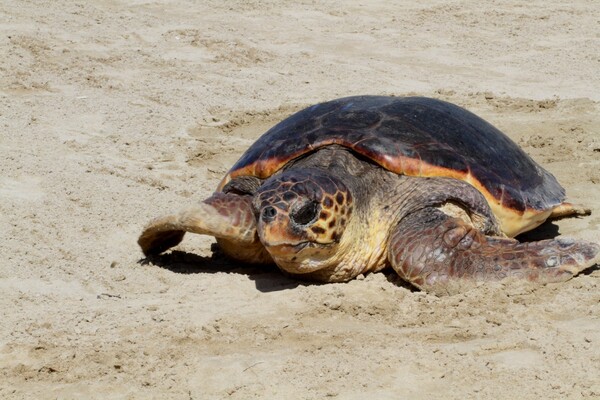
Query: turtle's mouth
x=307, y=248
x=290, y=248
x=300, y=258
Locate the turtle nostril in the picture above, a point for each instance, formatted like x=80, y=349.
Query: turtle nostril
x=268, y=213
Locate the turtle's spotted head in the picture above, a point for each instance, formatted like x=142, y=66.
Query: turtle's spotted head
x=301, y=217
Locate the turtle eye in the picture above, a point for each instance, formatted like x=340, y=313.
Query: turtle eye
x=305, y=214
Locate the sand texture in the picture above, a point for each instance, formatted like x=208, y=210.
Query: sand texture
x=114, y=112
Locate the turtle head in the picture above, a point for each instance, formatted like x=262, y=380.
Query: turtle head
x=301, y=217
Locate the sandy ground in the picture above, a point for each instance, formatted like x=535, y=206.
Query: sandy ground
x=115, y=112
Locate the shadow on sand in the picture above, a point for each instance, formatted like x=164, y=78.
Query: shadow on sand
x=267, y=278
x=547, y=230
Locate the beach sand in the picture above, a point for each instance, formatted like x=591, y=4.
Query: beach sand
x=115, y=112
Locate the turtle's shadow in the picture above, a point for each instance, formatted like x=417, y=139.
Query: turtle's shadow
x=547, y=230
x=267, y=278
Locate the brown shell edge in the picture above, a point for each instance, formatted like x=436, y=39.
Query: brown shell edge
x=513, y=221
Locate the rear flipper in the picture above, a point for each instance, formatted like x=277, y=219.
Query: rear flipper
x=569, y=210
x=228, y=217
x=445, y=255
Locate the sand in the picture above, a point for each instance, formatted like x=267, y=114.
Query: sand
x=115, y=112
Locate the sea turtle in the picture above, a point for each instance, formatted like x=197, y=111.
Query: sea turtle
x=353, y=185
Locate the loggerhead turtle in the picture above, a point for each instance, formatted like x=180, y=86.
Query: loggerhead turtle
x=353, y=185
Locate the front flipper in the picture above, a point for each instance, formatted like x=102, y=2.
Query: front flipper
x=228, y=217
x=445, y=255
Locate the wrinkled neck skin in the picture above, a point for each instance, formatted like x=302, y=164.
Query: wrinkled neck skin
x=381, y=200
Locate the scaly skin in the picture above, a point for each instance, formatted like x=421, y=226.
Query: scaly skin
x=228, y=217
x=441, y=254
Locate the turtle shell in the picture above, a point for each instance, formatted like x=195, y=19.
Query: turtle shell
x=415, y=136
